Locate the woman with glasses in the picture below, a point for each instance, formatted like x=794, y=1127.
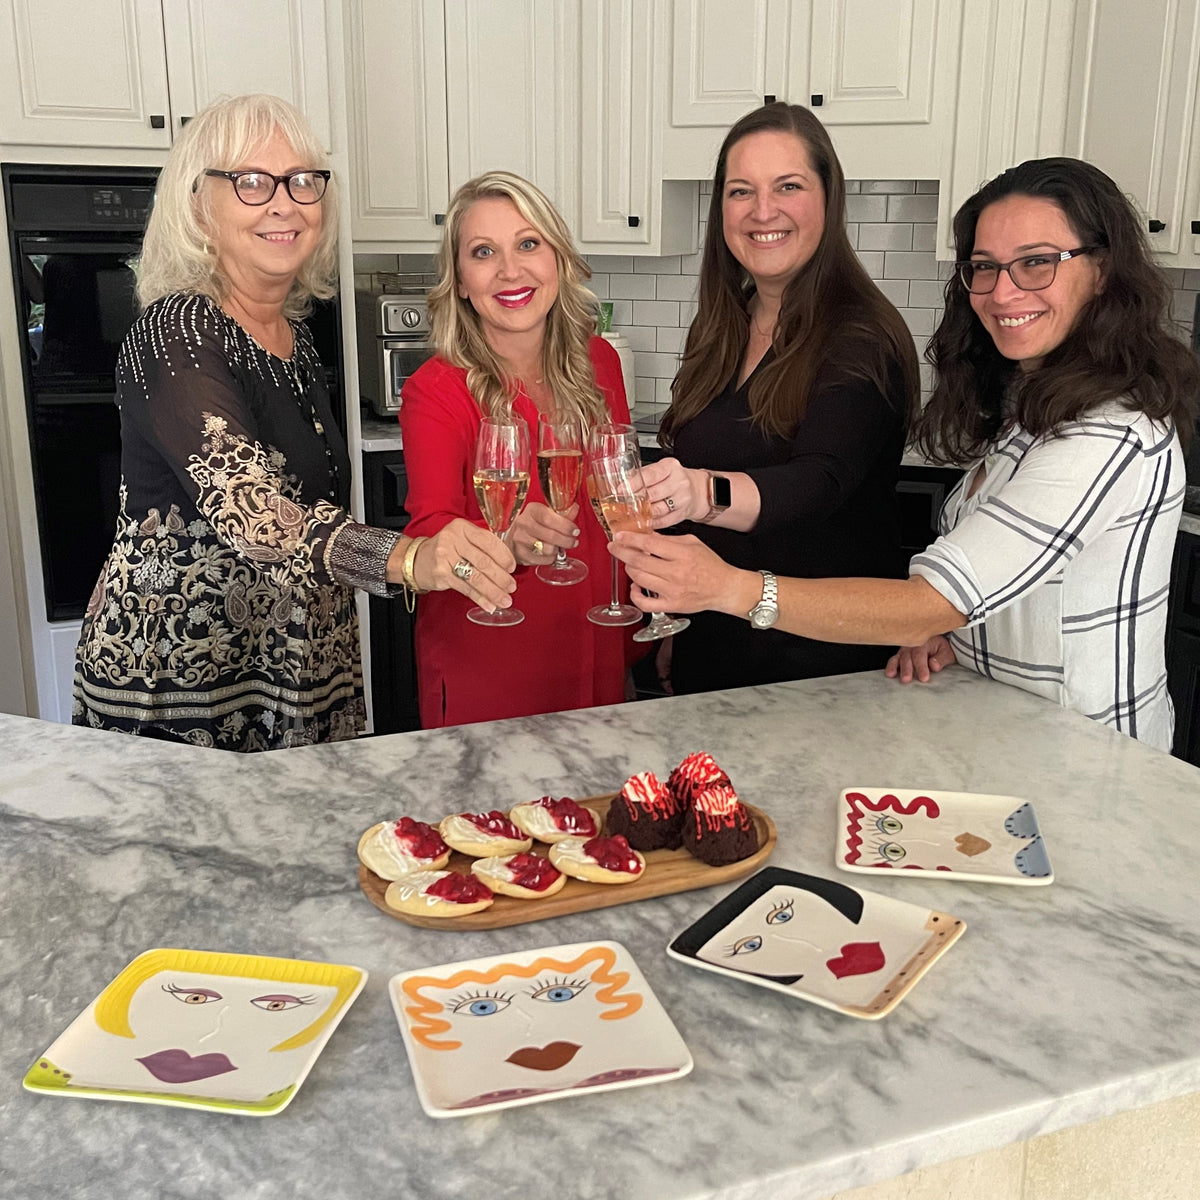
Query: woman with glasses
x=1063, y=392
x=225, y=613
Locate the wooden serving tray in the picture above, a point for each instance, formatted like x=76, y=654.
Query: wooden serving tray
x=667, y=871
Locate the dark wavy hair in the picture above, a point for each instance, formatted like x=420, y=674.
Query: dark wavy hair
x=1124, y=346
x=834, y=322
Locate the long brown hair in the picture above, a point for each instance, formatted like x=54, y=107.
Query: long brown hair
x=458, y=335
x=833, y=322
x=1121, y=348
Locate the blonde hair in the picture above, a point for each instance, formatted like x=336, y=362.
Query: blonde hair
x=176, y=255
x=458, y=334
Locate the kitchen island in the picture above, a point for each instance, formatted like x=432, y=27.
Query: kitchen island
x=1060, y=1005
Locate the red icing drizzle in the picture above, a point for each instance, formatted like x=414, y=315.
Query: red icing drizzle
x=613, y=854
x=460, y=889
x=647, y=792
x=569, y=816
x=718, y=807
x=496, y=823
x=532, y=871
x=421, y=840
x=697, y=772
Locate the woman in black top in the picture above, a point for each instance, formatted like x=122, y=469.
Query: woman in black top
x=790, y=410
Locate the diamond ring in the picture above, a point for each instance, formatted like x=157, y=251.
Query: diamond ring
x=463, y=569
x=670, y=504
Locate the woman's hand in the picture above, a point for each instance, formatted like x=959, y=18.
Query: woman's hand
x=920, y=661
x=677, y=493
x=684, y=573
x=538, y=524
x=491, y=562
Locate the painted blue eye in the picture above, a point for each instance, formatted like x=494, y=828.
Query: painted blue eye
x=780, y=918
x=748, y=945
x=480, y=1006
x=559, y=993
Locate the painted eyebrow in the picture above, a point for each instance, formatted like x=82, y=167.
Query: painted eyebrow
x=1021, y=249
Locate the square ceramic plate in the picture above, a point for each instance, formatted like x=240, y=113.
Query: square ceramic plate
x=535, y=1025
x=853, y=951
x=954, y=835
x=237, y=1032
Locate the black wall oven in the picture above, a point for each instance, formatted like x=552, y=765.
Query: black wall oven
x=73, y=232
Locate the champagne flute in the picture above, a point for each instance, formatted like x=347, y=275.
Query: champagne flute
x=501, y=480
x=560, y=466
x=626, y=505
x=608, y=440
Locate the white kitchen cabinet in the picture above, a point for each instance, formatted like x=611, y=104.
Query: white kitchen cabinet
x=126, y=73
x=1015, y=99
x=880, y=74
x=1140, y=114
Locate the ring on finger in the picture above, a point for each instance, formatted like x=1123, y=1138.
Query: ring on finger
x=463, y=569
x=538, y=546
x=670, y=504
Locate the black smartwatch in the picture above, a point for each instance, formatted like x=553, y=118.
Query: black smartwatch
x=720, y=496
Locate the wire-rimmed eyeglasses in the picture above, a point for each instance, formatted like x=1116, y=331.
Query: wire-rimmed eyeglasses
x=258, y=187
x=1030, y=272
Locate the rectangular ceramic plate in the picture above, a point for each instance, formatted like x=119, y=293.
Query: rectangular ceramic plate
x=853, y=951
x=535, y=1025
x=667, y=871
x=236, y=1032
x=954, y=835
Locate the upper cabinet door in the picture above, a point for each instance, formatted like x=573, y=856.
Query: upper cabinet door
x=870, y=62
x=90, y=74
x=504, y=63
x=397, y=100
x=221, y=48
x=1140, y=110
x=727, y=57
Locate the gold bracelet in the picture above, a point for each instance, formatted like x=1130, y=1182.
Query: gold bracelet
x=410, y=559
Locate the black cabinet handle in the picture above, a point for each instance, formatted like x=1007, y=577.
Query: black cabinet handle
x=1196, y=226
x=158, y=121
x=1156, y=226
x=817, y=100
x=634, y=222
x=439, y=218
x=768, y=99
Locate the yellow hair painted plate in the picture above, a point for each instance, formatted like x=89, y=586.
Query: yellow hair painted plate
x=201, y=1029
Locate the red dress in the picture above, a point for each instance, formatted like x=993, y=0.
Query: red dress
x=556, y=658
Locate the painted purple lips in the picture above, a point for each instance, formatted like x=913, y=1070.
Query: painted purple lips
x=178, y=1066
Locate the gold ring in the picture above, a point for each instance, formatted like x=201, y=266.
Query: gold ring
x=463, y=569
x=670, y=504
x=538, y=546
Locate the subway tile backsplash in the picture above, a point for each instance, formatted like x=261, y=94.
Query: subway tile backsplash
x=891, y=223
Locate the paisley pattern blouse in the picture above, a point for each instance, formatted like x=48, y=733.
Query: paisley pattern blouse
x=225, y=614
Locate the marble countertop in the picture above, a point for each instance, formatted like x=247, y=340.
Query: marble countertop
x=1059, y=1005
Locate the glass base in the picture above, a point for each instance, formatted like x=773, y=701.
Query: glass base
x=614, y=614
x=661, y=626
x=564, y=573
x=506, y=616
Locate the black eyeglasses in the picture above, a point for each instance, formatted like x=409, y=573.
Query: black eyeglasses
x=1031, y=273
x=257, y=187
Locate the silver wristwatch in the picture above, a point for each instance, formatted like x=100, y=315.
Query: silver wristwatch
x=766, y=612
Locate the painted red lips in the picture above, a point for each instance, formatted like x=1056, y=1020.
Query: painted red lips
x=545, y=1058
x=857, y=958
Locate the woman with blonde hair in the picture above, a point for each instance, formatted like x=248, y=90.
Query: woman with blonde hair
x=225, y=613
x=513, y=324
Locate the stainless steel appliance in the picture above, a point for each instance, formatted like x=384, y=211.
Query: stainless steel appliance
x=394, y=339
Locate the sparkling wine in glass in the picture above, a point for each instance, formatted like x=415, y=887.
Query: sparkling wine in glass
x=501, y=481
x=560, y=469
x=611, y=440
x=626, y=505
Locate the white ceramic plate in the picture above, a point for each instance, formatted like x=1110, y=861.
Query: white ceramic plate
x=853, y=951
x=236, y=1032
x=536, y=1025
x=954, y=835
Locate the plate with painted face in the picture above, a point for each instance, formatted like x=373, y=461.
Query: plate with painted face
x=838, y=946
x=942, y=835
x=199, y=1029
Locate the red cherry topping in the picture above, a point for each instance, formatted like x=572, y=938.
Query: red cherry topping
x=569, y=816
x=421, y=840
x=532, y=871
x=460, y=889
x=613, y=854
x=496, y=823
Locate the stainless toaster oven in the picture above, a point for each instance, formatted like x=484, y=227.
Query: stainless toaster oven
x=394, y=339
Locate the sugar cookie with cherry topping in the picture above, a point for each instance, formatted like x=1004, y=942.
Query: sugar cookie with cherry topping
x=395, y=848
x=598, y=860
x=527, y=876
x=551, y=820
x=483, y=835
x=438, y=894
